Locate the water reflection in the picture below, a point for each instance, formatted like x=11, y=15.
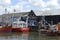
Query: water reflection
x=14, y=36
x=26, y=36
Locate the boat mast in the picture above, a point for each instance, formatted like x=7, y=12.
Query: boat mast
x=43, y=21
x=13, y=16
x=27, y=21
x=6, y=13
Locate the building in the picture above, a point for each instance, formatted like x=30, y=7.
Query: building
x=10, y=17
x=34, y=17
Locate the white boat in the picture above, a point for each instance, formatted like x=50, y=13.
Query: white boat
x=20, y=26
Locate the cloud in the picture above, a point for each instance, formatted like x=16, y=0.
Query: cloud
x=53, y=3
x=43, y=4
x=5, y=2
x=39, y=3
x=8, y=1
x=1, y=8
x=28, y=5
x=21, y=5
x=46, y=9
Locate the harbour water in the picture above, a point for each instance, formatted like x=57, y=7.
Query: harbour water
x=26, y=36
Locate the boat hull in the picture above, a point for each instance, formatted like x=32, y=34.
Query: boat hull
x=20, y=29
x=5, y=29
x=52, y=33
x=16, y=29
x=24, y=29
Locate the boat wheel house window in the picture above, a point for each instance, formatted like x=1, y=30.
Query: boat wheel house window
x=23, y=19
x=24, y=25
x=20, y=25
x=15, y=25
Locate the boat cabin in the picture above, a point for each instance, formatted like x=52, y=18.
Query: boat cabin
x=20, y=24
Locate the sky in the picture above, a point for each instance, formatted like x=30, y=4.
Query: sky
x=27, y=5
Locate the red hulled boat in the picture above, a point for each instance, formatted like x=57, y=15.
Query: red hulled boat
x=5, y=29
x=20, y=26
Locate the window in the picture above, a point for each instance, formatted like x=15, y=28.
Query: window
x=20, y=25
x=24, y=25
x=23, y=19
x=32, y=22
x=15, y=19
x=15, y=25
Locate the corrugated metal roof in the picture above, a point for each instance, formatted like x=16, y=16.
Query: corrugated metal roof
x=47, y=12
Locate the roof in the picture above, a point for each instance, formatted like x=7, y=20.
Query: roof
x=15, y=14
x=47, y=12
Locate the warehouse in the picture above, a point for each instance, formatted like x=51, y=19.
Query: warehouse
x=49, y=15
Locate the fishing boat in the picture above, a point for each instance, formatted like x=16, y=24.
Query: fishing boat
x=20, y=26
x=53, y=31
x=50, y=30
